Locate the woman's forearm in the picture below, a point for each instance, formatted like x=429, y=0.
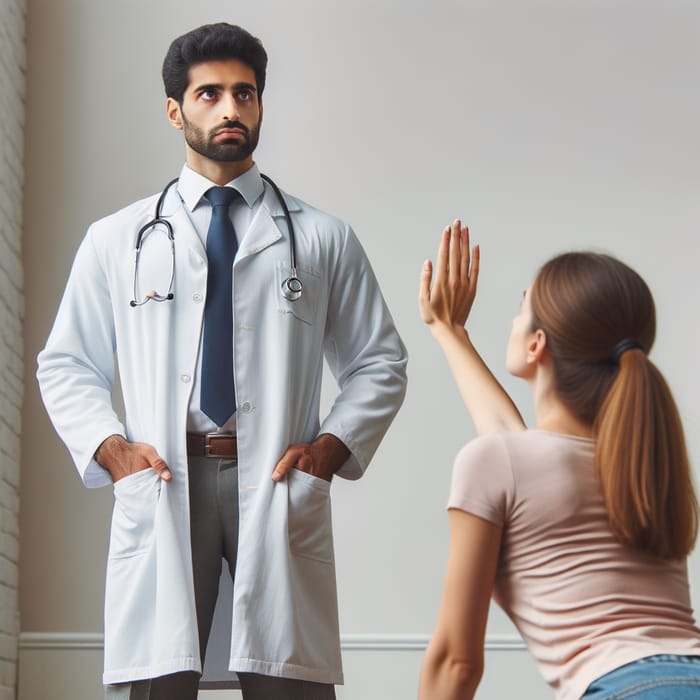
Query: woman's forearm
x=489, y=405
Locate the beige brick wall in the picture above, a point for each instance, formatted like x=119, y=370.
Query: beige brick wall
x=12, y=91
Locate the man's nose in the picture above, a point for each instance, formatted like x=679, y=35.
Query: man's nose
x=229, y=108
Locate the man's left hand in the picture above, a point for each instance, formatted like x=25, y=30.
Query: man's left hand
x=321, y=458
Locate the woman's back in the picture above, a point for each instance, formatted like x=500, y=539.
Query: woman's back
x=584, y=603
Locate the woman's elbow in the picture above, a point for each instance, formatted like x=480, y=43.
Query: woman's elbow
x=450, y=678
x=465, y=675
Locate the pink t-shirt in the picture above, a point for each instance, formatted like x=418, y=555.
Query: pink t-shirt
x=584, y=603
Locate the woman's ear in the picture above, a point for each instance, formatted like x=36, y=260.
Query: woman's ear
x=537, y=347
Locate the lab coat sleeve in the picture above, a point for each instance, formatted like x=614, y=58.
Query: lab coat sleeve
x=76, y=368
x=365, y=354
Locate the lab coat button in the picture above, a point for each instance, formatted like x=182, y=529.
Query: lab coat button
x=185, y=378
x=197, y=297
x=246, y=407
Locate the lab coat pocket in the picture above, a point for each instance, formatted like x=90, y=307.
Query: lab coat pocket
x=309, y=518
x=134, y=514
x=304, y=308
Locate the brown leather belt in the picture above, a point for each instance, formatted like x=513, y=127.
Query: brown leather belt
x=212, y=445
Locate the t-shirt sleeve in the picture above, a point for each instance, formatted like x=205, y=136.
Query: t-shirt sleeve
x=482, y=479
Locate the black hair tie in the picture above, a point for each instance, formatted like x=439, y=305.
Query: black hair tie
x=623, y=346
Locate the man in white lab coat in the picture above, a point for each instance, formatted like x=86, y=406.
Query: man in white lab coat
x=221, y=458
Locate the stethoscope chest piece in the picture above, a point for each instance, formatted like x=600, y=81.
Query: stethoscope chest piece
x=292, y=287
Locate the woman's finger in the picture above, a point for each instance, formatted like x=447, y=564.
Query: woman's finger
x=464, y=260
x=474, y=270
x=426, y=275
x=442, y=268
x=455, y=251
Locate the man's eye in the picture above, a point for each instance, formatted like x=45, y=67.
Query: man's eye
x=208, y=95
x=245, y=95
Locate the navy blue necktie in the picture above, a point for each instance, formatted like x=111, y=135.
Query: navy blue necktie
x=218, y=398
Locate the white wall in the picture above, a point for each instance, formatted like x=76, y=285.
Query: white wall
x=546, y=124
x=12, y=90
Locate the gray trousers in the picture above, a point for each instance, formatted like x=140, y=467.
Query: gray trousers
x=214, y=532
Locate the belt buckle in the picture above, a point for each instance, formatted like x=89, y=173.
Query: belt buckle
x=209, y=437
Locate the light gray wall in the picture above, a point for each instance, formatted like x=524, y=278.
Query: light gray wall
x=546, y=124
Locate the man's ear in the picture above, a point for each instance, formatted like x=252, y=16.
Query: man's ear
x=537, y=346
x=174, y=113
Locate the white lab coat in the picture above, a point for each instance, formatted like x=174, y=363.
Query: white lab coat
x=284, y=620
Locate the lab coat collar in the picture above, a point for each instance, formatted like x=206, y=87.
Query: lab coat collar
x=192, y=186
x=268, y=224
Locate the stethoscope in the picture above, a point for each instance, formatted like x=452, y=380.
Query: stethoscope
x=291, y=287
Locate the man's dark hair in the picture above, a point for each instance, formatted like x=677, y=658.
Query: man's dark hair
x=211, y=42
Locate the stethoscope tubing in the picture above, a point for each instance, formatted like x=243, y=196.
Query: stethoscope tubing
x=292, y=287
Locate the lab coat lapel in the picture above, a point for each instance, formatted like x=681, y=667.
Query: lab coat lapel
x=268, y=225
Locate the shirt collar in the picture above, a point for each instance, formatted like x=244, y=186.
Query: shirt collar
x=192, y=186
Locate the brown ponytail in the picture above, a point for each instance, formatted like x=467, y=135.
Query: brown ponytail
x=587, y=304
x=643, y=462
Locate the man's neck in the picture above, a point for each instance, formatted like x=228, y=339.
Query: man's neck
x=218, y=172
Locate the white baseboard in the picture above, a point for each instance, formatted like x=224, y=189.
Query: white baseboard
x=350, y=642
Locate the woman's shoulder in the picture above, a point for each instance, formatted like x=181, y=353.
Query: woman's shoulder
x=502, y=439
x=532, y=437
x=482, y=478
x=494, y=472
x=488, y=445
x=505, y=447
x=484, y=457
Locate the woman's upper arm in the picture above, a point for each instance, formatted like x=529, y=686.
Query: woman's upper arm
x=469, y=579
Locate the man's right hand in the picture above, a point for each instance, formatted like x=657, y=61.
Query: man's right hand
x=121, y=458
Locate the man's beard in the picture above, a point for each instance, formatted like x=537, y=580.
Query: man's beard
x=222, y=152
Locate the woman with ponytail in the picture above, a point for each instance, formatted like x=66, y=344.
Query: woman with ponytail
x=579, y=528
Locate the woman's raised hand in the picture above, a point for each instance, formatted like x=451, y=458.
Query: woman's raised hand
x=449, y=300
